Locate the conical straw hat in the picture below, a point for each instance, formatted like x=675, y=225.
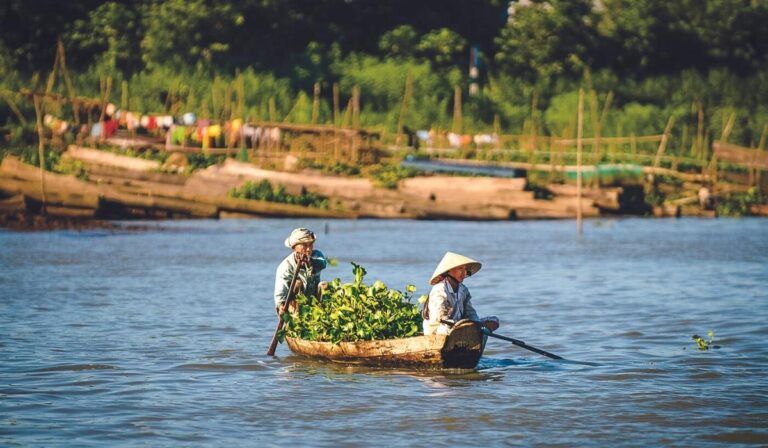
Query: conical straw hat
x=451, y=260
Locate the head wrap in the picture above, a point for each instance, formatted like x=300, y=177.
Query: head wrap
x=300, y=235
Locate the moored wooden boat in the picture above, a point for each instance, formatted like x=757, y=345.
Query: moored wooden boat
x=460, y=349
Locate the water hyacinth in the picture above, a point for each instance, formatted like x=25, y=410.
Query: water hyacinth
x=355, y=312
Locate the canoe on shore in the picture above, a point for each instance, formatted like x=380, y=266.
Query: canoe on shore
x=460, y=349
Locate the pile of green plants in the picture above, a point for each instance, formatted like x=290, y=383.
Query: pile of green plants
x=264, y=191
x=201, y=161
x=335, y=168
x=355, y=312
x=388, y=176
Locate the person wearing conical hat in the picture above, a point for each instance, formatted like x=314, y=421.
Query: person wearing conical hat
x=449, y=299
x=301, y=241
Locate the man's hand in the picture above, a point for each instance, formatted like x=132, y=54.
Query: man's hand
x=302, y=257
x=491, y=323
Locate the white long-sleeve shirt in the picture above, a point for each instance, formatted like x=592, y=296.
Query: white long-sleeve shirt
x=445, y=303
x=309, y=275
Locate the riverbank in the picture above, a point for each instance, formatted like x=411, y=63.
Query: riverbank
x=106, y=186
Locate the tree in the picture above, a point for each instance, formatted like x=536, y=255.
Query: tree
x=443, y=47
x=188, y=32
x=112, y=32
x=400, y=42
x=547, y=39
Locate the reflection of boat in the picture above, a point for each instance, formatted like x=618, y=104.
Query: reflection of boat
x=460, y=349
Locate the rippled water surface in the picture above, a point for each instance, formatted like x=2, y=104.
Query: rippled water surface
x=157, y=338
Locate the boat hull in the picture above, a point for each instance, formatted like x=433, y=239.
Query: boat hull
x=460, y=349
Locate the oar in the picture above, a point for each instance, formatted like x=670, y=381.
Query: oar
x=521, y=344
x=284, y=308
x=517, y=342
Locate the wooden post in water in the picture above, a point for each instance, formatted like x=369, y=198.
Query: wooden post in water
x=579, y=144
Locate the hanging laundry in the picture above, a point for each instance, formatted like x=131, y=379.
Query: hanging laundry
x=110, y=127
x=233, y=131
x=96, y=130
x=486, y=139
x=178, y=134
x=188, y=118
x=454, y=140
x=165, y=121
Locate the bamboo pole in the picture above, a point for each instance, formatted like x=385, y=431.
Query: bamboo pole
x=272, y=109
x=52, y=76
x=404, y=106
x=336, y=104
x=603, y=117
x=240, y=89
x=68, y=81
x=663, y=142
x=700, y=131
x=580, y=127
x=355, y=106
x=760, y=148
x=457, y=125
x=593, y=114
x=12, y=104
x=106, y=86
x=728, y=128
x=534, y=127
x=40, y=148
x=316, y=103
x=124, y=95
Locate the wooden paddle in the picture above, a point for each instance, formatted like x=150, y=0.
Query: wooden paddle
x=517, y=342
x=284, y=308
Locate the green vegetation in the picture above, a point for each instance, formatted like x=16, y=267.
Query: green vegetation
x=703, y=344
x=701, y=62
x=31, y=155
x=388, y=176
x=71, y=167
x=354, y=312
x=335, y=168
x=202, y=160
x=738, y=204
x=264, y=191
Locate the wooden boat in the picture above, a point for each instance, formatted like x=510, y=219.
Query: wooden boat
x=460, y=349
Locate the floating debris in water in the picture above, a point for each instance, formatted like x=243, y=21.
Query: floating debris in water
x=704, y=344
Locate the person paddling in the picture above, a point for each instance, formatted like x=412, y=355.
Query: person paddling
x=449, y=299
x=301, y=241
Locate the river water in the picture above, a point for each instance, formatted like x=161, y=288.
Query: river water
x=157, y=338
